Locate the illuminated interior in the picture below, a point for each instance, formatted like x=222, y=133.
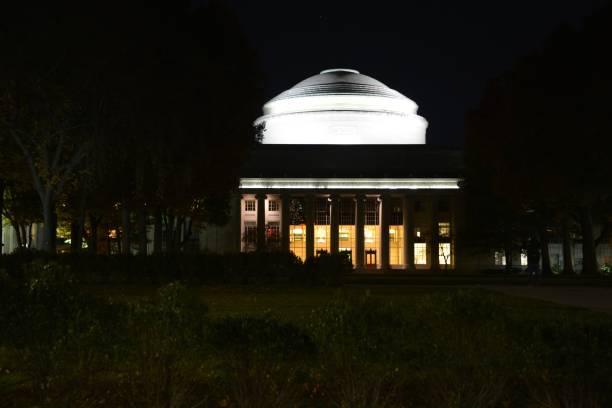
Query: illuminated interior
x=420, y=253
x=346, y=241
x=396, y=245
x=297, y=240
x=371, y=245
x=321, y=238
x=444, y=254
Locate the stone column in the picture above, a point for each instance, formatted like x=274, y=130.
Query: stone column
x=285, y=221
x=408, y=223
x=237, y=222
x=435, y=264
x=261, y=221
x=359, y=239
x=309, y=207
x=334, y=222
x=385, y=218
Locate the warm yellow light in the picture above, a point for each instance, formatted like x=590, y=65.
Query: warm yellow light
x=298, y=231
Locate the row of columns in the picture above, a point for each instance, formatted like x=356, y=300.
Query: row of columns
x=385, y=219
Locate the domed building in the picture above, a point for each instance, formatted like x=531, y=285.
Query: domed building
x=341, y=106
x=343, y=168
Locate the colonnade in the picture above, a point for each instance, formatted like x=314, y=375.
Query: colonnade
x=386, y=200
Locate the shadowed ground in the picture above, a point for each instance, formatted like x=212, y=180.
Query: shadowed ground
x=594, y=298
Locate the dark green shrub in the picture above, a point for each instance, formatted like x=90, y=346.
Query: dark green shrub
x=164, y=350
x=364, y=356
x=261, y=360
x=61, y=338
x=327, y=269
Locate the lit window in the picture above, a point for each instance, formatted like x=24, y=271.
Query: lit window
x=297, y=233
x=273, y=205
x=249, y=205
x=417, y=232
x=420, y=253
x=273, y=231
x=369, y=235
x=499, y=258
x=444, y=229
x=524, y=261
x=444, y=253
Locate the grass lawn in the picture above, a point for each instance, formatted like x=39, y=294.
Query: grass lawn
x=295, y=302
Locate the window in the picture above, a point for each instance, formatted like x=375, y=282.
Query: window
x=297, y=240
x=371, y=211
x=418, y=233
x=250, y=232
x=347, y=212
x=444, y=254
x=249, y=205
x=346, y=238
x=273, y=205
x=396, y=245
x=420, y=253
x=322, y=212
x=273, y=232
x=499, y=258
x=397, y=216
x=524, y=261
x=444, y=229
x=322, y=238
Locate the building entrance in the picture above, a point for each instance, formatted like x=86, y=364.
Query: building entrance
x=370, y=255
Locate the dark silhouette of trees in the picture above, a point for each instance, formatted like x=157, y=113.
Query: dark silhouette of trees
x=538, y=145
x=123, y=111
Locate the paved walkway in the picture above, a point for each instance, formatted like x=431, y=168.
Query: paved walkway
x=595, y=298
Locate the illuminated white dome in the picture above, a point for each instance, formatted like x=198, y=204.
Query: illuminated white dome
x=341, y=106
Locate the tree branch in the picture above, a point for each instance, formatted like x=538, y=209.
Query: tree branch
x=36, y=178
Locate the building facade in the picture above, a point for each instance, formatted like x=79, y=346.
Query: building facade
x=343, y=168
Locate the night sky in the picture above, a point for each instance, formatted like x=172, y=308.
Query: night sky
x=437, y=53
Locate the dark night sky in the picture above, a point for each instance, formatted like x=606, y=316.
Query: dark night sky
x=437, y=53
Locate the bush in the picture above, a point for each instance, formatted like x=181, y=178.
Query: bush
x=165, y=351
x=60, y=337
x=327, y=269
x=363, y=349
x=244, y=268
x=261, y=360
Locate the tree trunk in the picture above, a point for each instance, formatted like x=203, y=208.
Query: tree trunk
x=17, y=229
x=78, y=227
x=568, y=261
x=126, y=241
x=589, y=256
x=93, y=234
x=170, y=232
x=142, y=231
x=157, y=234
x=49, y=225
x=30, y=236
x=1, y=213
x=74, y=236
x=24, y=236
x=508, y=246
x=187, y=234
x=546, y=270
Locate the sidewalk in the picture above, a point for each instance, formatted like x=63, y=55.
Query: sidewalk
x=594, y=298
